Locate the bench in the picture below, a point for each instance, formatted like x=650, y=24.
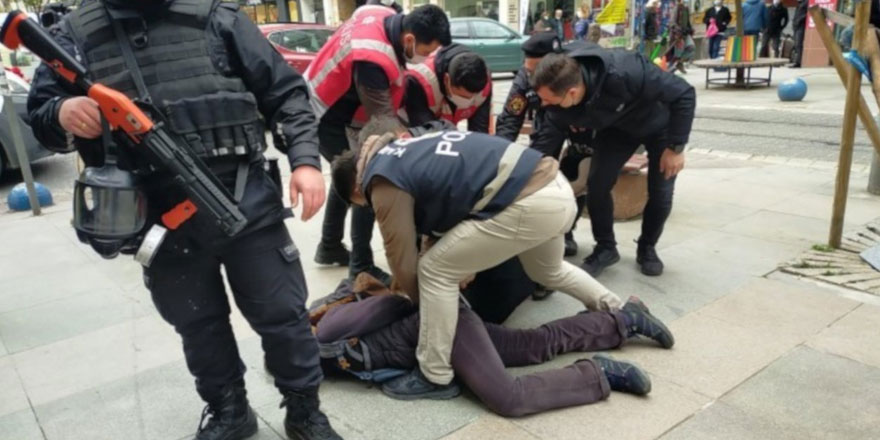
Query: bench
x=742, y=79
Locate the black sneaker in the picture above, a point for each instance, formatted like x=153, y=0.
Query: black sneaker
x=601, y=258
x=332, y=254
x=415, y=385
x=646, y=257
x=376, y=272
x=541, y=293
x=304, y=419
x=642, y=322
x=625, y=377
x=228, y=418
x=571, y=246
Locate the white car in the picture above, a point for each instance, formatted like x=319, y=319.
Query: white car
x=8, y=157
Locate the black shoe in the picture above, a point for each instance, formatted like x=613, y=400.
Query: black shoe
x=601, y=258
x=623, y=376
x=231, y=417
x=415, y=385
x=541, y=293
x=332, y=254
x=571, y=246
x=646, y=257
x=304, y=420
x=376, y=272
x=642, y=322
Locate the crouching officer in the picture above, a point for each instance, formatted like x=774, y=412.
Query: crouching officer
x=616, y=101
x=482, y=200
x=359, y=74
x=213, y=78
x=453, y=85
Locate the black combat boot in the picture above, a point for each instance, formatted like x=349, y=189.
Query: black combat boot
x=304, y=420
x=332, y=254
x=646, y=257
x=571, y=246
x=602, y=257
x=623, y=376
x=231, y=417
x=640, y=321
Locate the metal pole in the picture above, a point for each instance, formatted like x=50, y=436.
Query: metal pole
x=740, y=32
x=847, y=137
x=18, y=141
x=283, y=11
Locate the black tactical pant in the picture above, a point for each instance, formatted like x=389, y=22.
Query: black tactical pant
x=268, y=286
x=612, y=149
x=333, y=142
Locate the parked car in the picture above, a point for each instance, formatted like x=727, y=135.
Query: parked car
x=8, y=157
x=499, y=45
x=298, y=43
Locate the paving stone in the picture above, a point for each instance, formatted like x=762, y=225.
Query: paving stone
x=710, y=356
x=621, y=416
x=491, y=427
x=854, y=336
x=784, y=177
x=725, y=422
x=62, y=282
x=13, y=398
x=66, y=318
x=858, y=210
x=792, y=309
x=779, y=227
x=817, y=394
x=21, y=425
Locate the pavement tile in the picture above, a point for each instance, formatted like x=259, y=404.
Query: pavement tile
x=783, y=177
x=3, y=351
x=703, y=214
x=21, y=425
x=710, y=356
x=747, y=195
x=725, y=422
x=621, y=417
x=816, y=394
x=793, y=309
x=858, y=210
x=854, y=336
x=13, y=398
x=491, y=427
x=778, y=227
x=57, y=370
x=60, y=282
x=66, y=318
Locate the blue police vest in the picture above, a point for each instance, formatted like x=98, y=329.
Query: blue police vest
x=454, y=176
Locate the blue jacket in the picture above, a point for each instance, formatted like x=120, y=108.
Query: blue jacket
x=755, y=16
x=580, y=28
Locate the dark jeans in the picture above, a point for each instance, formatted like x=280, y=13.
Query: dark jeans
x=612, y=149
x=799, y=45
x=768, y=41
x=264, y=272
x=715, y=45
x=333, y=141
x=481, y=353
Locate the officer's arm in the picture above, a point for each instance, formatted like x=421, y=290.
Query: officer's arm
x=417, y=110
x=281, y=93
x=665, y=87
x=395, y=210
x=549, y=137
x=479, y=122
x=373, y=89
x=48, y=91
x=510, y=121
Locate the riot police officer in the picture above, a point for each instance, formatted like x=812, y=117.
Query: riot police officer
x=213, y=77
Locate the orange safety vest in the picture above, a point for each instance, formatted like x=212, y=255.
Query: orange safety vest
x=426, y=75
x=361, y=38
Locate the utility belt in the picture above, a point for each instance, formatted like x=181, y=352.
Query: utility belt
x=218, y=125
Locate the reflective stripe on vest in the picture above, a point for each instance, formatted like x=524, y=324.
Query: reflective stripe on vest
x=426, y=75
x=506, y=165
x=361, y=38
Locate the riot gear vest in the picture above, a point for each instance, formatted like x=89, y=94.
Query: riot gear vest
x=454, y=176
x=188, y=77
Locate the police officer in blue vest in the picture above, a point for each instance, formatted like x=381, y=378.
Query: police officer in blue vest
x=480, y=200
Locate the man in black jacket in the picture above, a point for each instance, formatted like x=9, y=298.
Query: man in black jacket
x=773, y=35
x=799, y=24
x=615, y=101
x=206, y=66
x=722, y=17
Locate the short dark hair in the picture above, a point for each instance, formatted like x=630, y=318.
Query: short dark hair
x=469, y=70
x=557, y=72
x=379, y=126
x=344, y=174
x=428, y=23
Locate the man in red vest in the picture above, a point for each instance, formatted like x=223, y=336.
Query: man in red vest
x=357, y=75
x=453, y=85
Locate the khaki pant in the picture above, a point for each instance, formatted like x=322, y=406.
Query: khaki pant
x=531, y=228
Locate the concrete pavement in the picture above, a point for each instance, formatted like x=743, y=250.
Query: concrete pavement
x=84, y=355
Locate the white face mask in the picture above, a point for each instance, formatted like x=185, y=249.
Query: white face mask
x=415, y=58
x=462, y=102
